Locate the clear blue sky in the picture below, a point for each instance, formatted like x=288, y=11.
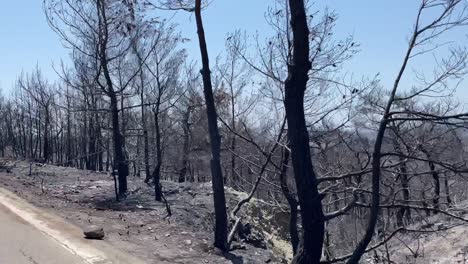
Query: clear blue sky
x=381, y=27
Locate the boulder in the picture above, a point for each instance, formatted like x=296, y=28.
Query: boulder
x=93, y=232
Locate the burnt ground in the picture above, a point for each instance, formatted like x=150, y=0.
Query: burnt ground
x=138, y=224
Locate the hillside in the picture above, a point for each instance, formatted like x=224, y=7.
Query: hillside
x=138, y=224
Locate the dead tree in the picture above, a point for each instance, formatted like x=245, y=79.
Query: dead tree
x=309, y=198
x=103, y=38
x=221, y=229
x=40, y=91
x=422, y=35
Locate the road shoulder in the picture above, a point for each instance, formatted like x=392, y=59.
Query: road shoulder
x=66, y=234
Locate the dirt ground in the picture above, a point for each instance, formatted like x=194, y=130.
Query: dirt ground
x=138, y=225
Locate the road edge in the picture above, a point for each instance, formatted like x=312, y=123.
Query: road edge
x=64, y=233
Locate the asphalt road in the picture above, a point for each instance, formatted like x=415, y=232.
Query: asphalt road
x=21, y=243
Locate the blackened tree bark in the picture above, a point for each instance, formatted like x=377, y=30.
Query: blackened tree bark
x=376, y=161
x=161, y=89
x=186, y=144
x=100, y=40
x=97, y=156
x=69, y=143
x=447, y=190
x=119, y=157
x=435, y=178
x=141, y=90
x=39, y=91
x=292, y=201
x=233, y=145
x=403, y=212
x=375, y=209
x=221, y=228
x=313, y=222
x=157, y=170
x=424, y=202
x=144, y=126
x=92, y=148
x=421, y=35
x=123, y=123
x=46, y=146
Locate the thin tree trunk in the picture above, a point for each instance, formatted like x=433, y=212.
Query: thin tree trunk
x=435, y=178
x=31, y=137
x=46, y=151
x=145, y=131
x=403, y=212
x=447, y=190
x=123, y=126
x=221, y=228
x=292, y=201
x=69, y=134
x=424, y=202
x=157, y=169
x=120, y=161
x=233, y=139
x=186, y=145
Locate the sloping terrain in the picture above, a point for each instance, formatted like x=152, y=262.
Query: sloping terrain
x=437, y=239
x=139, y=225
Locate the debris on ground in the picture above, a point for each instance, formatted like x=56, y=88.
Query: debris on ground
x=138, y=224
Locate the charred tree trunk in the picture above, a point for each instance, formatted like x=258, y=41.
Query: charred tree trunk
x=92, y=135
x=233, y=179
x=186, y=144
x=435, y=178
x=124, y=125
x=221, y=228
x=447, y=190
x=146, y=158
x=157, y=169
x=376, y=161
x=292, y=201
x=120, y=161
x=92, y=146
x=144, y=127
x=31, y=134
x=233, y=140
x=69, y=135
x=46, y=145
x=119, y=158
x=403, y=212
x=98, y=137
x=424, y=203
x=309, y=198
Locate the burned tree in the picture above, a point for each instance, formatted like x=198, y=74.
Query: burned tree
x=309, y=198
x=221, y=231
x=98, y=30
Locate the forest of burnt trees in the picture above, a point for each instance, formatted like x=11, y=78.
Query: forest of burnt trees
x=275, y=117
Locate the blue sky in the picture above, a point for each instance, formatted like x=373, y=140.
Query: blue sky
x=381, y=27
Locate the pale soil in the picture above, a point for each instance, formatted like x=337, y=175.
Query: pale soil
x=137, y=225
x=443, y=241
